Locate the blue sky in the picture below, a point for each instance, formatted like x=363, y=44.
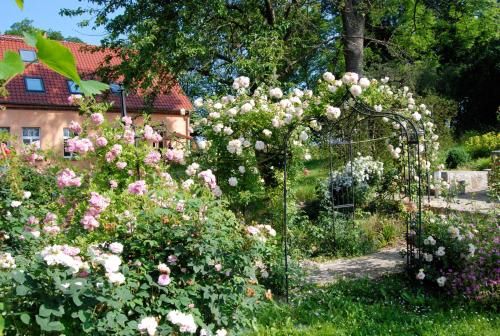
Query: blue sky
x=45, y=14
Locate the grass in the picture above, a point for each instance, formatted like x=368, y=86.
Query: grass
x=388, y=306
x=478, y=164
x=306, y=184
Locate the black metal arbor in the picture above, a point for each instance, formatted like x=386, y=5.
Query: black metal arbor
x=342, y=135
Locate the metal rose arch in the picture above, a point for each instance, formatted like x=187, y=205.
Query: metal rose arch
x=361, y=124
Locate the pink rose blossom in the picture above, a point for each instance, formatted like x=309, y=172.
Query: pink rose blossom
x=172, y=259
x=115, y=151
x=218, y=267
x=138, y=188
x=151, y=135
x=209, y=178
x=97, y=203
x=50, y=217
x=74, y=99
x=175, y=155
x=75, y=127
x=152, y=158
x=180, y=206
x=32, y=220
x=67, y=178
x=121, y=165
x=113, y=184
x=253, y=230
x=101, y=141
x=97, y=118
x=129, y=136
x=164, y=280
x=89, y=222
x=80, y=146
x=127, y=120
x=51, y=229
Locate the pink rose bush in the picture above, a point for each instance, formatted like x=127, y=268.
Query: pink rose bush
x=86, y=242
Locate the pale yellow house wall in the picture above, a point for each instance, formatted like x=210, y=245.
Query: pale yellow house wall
x=52, y=123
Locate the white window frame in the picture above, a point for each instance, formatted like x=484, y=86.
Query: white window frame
x=35, y=57
x=32, y=138
x=66, y=135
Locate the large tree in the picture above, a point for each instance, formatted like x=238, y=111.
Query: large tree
x=213, y=41
x=444, y=47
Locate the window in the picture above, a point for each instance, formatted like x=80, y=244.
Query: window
x=31, y=135
x=115, y=88
x=5, y=130
x=27, y=55
x=67, y=134
x=34, y=84
x=73, y=87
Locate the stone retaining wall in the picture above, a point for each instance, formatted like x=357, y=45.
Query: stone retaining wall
x=474, y=180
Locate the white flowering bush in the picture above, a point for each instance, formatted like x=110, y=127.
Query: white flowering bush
x=121, y=246
x=360, y=176
x=460, y=256
x=243, y=135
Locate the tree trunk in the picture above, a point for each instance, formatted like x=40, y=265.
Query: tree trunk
x=353, y=21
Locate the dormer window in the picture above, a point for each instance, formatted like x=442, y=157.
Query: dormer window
x=73, y=87
x=28, y=55
x=34, y=84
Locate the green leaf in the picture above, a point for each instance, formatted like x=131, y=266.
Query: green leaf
x=2, y=325
x=20, y=4
x=30, y=39
x=57, y=57
x=77, y=300
x=25, y=318
x=21, y=290
x=55, y=326
x=92, y=87
x=19, y=277
x=42, y=322
x=83, y=316
x=47, y=325
x=11, y=65
x=43, y=311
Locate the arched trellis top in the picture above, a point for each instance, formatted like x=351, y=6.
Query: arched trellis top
x=355, y=112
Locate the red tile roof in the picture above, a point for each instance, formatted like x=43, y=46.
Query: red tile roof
x=56, y=86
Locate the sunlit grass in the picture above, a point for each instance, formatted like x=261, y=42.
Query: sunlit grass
x=388, y=306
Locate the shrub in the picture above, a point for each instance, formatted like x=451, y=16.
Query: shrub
x=456, y=157
x=483, y=145
x=121, y=245
x=461, y=255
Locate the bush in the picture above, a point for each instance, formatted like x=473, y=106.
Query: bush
x=456, y=157
x=461, y=256
x=107, y=249
x=483, y=145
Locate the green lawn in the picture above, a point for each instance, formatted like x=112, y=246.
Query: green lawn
x=384, y=307
x=306, y=185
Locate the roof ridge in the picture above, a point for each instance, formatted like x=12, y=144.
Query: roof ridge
x=10, y=37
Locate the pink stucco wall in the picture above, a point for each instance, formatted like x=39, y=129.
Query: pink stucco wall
x=52, y=122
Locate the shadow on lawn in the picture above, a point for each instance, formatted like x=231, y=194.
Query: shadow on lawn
x=386, y=306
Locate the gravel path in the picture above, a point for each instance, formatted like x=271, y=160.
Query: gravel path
x=374, y=265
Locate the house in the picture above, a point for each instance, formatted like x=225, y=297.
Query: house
x=37, y=107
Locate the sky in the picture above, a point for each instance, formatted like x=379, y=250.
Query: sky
x=45, y=14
